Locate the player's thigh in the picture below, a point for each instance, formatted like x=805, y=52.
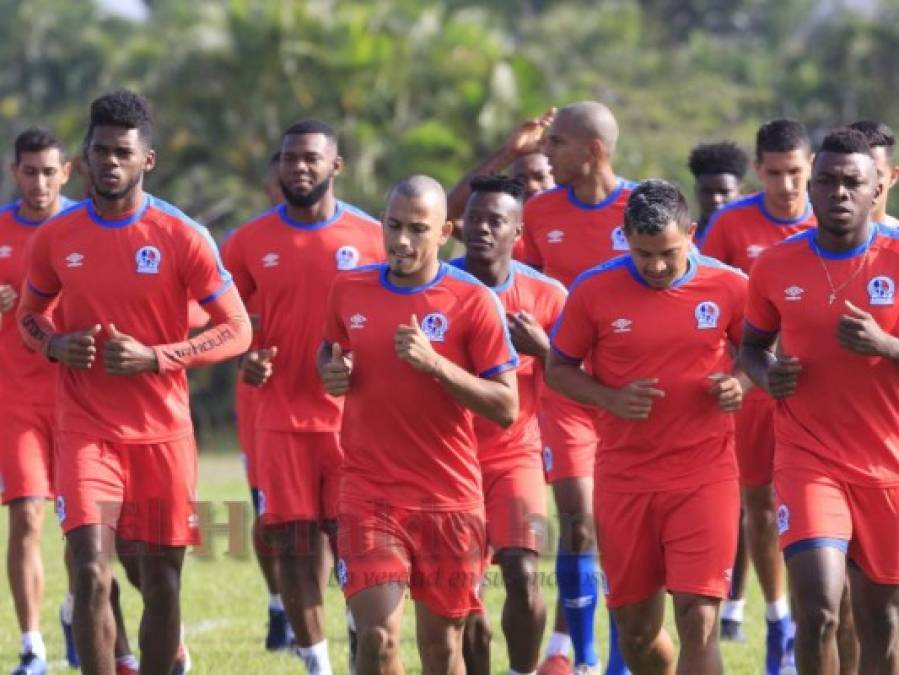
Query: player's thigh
x=875, y=607
x=379, y=607
x=439, y=638
x=640, y=622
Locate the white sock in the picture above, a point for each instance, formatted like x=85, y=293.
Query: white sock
x=515, y=672
x=274, y=602
x=559, y=644
x=129, y=660
x=315, y=657
x=33, y=643
x=777, y=610
x=350, y=621
x=732, y=610
x=67, y=610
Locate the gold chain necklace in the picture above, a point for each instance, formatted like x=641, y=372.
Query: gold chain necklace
x=836, y=289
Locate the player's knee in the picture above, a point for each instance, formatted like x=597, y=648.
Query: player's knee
x=376, y=646
x=437, y=653
x=760, y=504
x=520, y=576
x=477, y=633
x=161, y=585
x=696, y=621
x=27, y=518
x=93, y=581
x=577, y=534
x=638, y=639
x=817, y=618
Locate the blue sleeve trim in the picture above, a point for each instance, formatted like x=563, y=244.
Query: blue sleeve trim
x=41, y=293
x=573, y=360
x=511, y=364
x=212, y=296
x=814, y=543
x=756, y=329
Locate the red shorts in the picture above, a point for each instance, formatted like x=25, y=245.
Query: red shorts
x=299, y=475
x=682, y=540
x=515, y=498
x=145, y=492
x=754, y=424
x=26, y=453
x=438, y=555
x=569, y=438
x=814, y=510
x=245, y=403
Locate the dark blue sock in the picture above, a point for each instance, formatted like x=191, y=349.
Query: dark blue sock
x=616, y=665
x=577, y=574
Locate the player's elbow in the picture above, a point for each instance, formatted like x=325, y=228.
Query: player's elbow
x=507, y=408
x=555, y=376
x=244, y=334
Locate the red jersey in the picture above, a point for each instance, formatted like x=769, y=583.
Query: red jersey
x=26, y=377
x=527, y=290
x=629, y=331
x=139, y=272
x=563, y=236
x=288, y=267
x=843, y=418
x=406, y=439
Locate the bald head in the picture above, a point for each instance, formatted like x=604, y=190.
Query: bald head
x=591, y=120
x=424, y=189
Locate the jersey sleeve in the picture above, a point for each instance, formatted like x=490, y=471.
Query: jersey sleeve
x=335, y=328
x=490, y=345
x=40, y=277
x=739, y=285
x=762, y=314
x=575, y=332
x=531, y=253
x=204, y=273
x=552, y=307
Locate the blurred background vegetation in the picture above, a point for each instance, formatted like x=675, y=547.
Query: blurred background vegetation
x=429, y=86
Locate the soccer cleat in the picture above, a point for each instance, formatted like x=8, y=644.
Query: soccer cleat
x=279, y=633
x=732, y=631
x=182, y=660
x=779, y=659
x=69, y=637
x=30, y=664
x=557, y=664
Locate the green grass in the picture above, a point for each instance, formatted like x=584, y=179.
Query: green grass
x=224, y=602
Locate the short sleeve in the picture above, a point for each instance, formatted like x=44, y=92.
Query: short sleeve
x=739, y=284
x=205, y=274
x=713, y=243
x=575, y=331
x=761, y=313
x=554, y=302
x=40, y=277
x=531, y=253
x=335, y=329
x=235, y=263
x=489, y=344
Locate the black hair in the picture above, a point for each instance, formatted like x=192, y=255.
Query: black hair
x=312, y=126
x=879, y=135
x=125, y=109
x=715, y=158
x=781, y=135
x=498, y=183
x=846, y=141
x=654, y=204
x=275, y=158
x=36, y=139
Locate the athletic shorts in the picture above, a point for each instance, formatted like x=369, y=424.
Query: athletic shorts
x=438, y=555
x=145, y=492
x=299, y=475
x=245, y=403
x=754, y=424
x=26, y=452
x=814, y=511
x=515, y=498
x=569, y=437
x=681, y=540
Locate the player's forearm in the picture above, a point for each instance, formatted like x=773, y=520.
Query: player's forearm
x=37, y=329
x=573, y=382
x=497, y=400
x=754, y=360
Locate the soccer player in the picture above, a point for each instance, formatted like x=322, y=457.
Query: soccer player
x=736, y=235
x=566, y=231
x=828, y=297
x=123, y=267
x=417, y=347
x=718, y=169
x=883, y=146
x=286, y=260
x=655, y=328
x=40, y=169
x=510, y=460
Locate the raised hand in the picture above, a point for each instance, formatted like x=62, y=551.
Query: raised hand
x=77, y=349
x=257, y=366
x=336, y=372
x=125, y=355
x=414, y=347
x=634, y=401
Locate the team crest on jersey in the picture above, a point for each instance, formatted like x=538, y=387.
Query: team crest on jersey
x=74, y=260
x=148, y=259
x=547, y=459
x=60, y=509
x=434, y=326
x=555, y=236
x=707, y=313
x=5, y=251
x=270, y=260
x=619, y=241
x=754, y=250
x=357, y=321
x=342, y=573
x=347, y=257
x=783, y=519
x=881, y=290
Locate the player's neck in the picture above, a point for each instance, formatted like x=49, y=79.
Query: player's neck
x=594, y=188
x=490, y=274
x=38, y=215
x=127, y=203
x=323, y=209
x=879, y=214
x=846, y=241
x=792, y=212
x=423, y=276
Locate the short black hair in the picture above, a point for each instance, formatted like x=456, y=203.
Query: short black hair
x=879, y=135
x=125, y=109
x=781, y=135
x=652, y=205
x=714, y=158
x=36, y=139
x=498, y=183
x=312, y=126
x=275, y=158
x=846, y=141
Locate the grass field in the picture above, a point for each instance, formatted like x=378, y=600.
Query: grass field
x=224, y=602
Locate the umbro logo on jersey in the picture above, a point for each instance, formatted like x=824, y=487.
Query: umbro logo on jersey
x=6, y=251
x=881, y=291
x=74, y=260
x=619, y=241
x=270, y=260
x=622, y=325
x=754, y=250
x=793, y=293
x=357, y=321
x=555, y=236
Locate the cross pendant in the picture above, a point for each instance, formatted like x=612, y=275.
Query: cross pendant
x=831, y=298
